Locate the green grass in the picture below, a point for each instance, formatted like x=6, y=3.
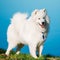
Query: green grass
x=21, y=56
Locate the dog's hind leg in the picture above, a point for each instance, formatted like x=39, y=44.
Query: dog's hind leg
x=19, y=46
x=32, y=49
x=10, y=47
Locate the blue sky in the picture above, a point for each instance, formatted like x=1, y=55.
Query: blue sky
x=9, y=7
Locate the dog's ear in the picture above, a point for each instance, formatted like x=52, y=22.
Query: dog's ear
x=47, y=19
x=44, y=9
x=35, y=12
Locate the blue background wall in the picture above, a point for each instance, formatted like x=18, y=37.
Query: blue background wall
x=9, y=7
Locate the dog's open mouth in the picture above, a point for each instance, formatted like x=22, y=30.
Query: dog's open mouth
x=43, y=26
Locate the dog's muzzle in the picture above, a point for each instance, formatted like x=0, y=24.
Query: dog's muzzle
x=42, y=25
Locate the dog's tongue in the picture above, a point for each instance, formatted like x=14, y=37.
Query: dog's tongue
x=42, y=26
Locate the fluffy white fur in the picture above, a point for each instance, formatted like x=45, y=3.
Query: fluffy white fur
x=28, y=31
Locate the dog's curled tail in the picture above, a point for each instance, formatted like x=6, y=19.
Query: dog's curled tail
x=17, y=17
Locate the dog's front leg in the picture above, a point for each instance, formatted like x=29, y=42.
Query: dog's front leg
x=32, y=49
x=40, y=50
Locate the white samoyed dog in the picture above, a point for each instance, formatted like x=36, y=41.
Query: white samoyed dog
x=31, y=32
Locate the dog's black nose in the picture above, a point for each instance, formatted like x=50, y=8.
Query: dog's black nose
x=43, y=23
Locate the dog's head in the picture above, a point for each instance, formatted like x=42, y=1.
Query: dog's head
x=41, y=17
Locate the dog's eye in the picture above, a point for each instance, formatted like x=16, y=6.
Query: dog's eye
x=43, y=17
x=39, y=18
